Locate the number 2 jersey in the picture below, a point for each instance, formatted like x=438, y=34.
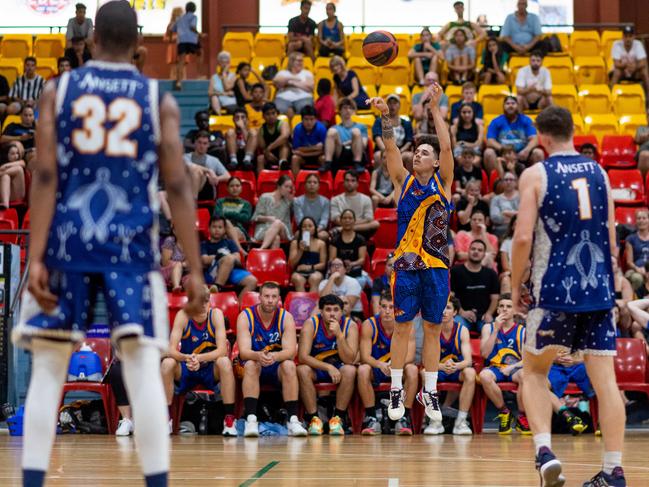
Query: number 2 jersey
x=108, y=131
x=572, y=270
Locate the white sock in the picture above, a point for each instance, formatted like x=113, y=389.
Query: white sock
x=396, y=375
x=541, y=440
x=233, y=159
x=247, y=157
x=141, y=369
x=461, y=416
x=49, y=369
x=611, y=460
x=430, y=381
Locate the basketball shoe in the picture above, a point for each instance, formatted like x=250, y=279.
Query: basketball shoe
x=549, y=468
x=603, y=479
x=396, y=409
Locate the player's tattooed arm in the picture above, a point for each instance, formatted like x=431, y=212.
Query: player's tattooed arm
x=386, y=126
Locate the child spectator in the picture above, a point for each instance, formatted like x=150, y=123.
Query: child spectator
x=243, y=89
x=308, y=141
x=325, y=105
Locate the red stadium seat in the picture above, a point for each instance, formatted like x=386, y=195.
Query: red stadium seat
x=631, y=365
x=579, y=140
x=11, y=215
x=625, y=215
x=493, y=177
x=366, y=305
x=386, y=235
x=379, y=258
x=627, y=187
x=5, y=237
x=300, y=305
x=203, y=223
x=326, y=182
x=363, y=183
x=618, y=151
x=229, y=304
x=268, y=265
x=267, y=180
x=175, y=302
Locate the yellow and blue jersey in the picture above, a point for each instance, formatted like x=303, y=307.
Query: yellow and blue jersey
x=198, y=337
x=324, y=346
x=451, y=347
x=508, y=348
x=263, y=338
x=381, y=341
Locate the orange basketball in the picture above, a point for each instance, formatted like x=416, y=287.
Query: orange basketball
x=380, y=48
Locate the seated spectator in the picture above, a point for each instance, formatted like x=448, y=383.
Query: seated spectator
x=466, y=171
x=464, y=240
x=236, y=211
x=222, y=262
x=426, y=126
x=351, y=248
x=173, y=264
x=330, y=33
x=469, y=92
x=22, y=132
x=243, y=89
x=78, y=53
x=381, y=284
x=12, y=174
x=637, y=249
x=508, y=162
x=348, y=85
x=27, y=88
x=474, y=31
x=241, y=141
x=381, y=187
x=506, y=258
x=590, y=151
x=521, y=33
x=216, y=147
x=313, y=205
x=360, y=204
x=272, y=215
x=206, y=171
x=467, y=133
x=79, y=26
x=340, y=284
x=325, y=106
x=515, y=129
x=460, y=58
x=294, y=86
x=534, y=84
x=639, y=311
x=501, y=344
x=221, y=89
x=307, y=256
x=62, y=66
x=403, y=133
x=376, y=339
x=273, y=140
x=623, y=294
x=4, y=96
x=504, y=206
x=629, y=60
x=346, y=142
x=564, y=370
x=493, y=64
x=468, y=202
x=425, y=55
x=417, y=104
x=301, y=32
x=198, y=356
x=309, y=138
x=255, y=107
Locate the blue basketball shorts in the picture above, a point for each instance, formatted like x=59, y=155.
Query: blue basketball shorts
x=270, y=375
x=589, y=332
x=323, y=375
x=500, y=377
x=444, y=377
x=136, y=303
x=378, y=377
x=425, y=291
x=560, y=376
x=202, y=377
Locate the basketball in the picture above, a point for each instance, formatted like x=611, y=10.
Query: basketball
x=380, y=48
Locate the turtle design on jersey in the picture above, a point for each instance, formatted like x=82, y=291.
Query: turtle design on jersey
x=575, y=258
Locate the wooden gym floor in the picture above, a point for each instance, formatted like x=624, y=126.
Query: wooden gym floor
x=484, y=460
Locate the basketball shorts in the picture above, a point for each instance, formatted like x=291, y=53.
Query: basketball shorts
x=444, y=377
x=500, y=377
x=424, y=291
x=202, y=377
x=323, y=375
x=136, y=303
x=378, y=377
x=270, y=375
x=560, y=376
x=591, y=332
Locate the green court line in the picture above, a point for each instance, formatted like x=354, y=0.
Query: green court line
x=257, y=475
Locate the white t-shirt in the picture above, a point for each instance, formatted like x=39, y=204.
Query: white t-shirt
x=637, y=52
x=349, y=287
x=526, y=78
x=293, y=93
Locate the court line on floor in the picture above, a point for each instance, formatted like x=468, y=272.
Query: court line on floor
x=258, y=474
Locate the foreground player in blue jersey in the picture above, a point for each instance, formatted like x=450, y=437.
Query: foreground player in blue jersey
x=103, y=134
x=566, y=219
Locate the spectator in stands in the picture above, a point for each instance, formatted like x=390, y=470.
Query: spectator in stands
x=273, y=140
x=313, y=205
x=236, y=211
x=12, y=174
x=465, y=171
x=331, y=34
x=216, y=147
x=294, y=86
x=473, y=31
x=508, y=162
x=346, y=142
x=471, y=200
x=173, y=264
x=22, y=132
x=403, y=133
x=301, y=32
x=241, y=141
x=467, y=133
x=188, y=40
x=325, y=105
x=242, y=88
x=381, y=284
x=222, y=262
x=637, y=249
x=506, y=258
x=62, y=65
x=360, y=204
x=273, y=214
x=381, y=187
x=521, y=32
x=590, y=151
x=425, y=55
x=534, y=84
x=504, y=206
x=221, y=89
x=307, y=256
x=27, y=88
x=426, y=126
x=629, y=60
x=351, y=247
x=494, y=59
x=4, y=96
x=515, y=129
x=460, y=58
x=309, y=138
x=79, y=26
x=340, y=284
x=623, y=294
x=464, y=240
x=170, y=39
x=639, y=310
x=348, y=85
x=206, y=171
x=78, y=53
x=469, y=92
x=418, y=110
x=255, y=107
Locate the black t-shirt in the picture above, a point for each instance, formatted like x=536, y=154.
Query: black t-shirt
x=461, y=206
x=220, y=249
x=474, y=289
x=4, y=87
x=463, y=177
x=17, y=129
x=349, y=251
x=296, y=26
x=72, y=57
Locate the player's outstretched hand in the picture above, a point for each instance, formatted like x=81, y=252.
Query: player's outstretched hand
x=39, y=286
x=433, y=93
x=195, y=287
x=380, y=104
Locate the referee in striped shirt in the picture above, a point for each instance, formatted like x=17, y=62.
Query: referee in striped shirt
x=27, y=88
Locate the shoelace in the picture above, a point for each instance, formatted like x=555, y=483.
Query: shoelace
x=395, y=396
x=433, y=399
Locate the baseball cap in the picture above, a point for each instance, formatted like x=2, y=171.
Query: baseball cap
x=393, y=96
x=628, y=29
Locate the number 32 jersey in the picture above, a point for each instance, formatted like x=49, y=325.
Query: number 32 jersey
x=108, y=131
x=572, y=268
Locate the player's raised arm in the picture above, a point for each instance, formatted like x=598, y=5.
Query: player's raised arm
x=393, y=159
x=446, y=161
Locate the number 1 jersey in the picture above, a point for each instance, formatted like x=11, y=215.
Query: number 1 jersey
x=108, y=131
x=572, y=268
